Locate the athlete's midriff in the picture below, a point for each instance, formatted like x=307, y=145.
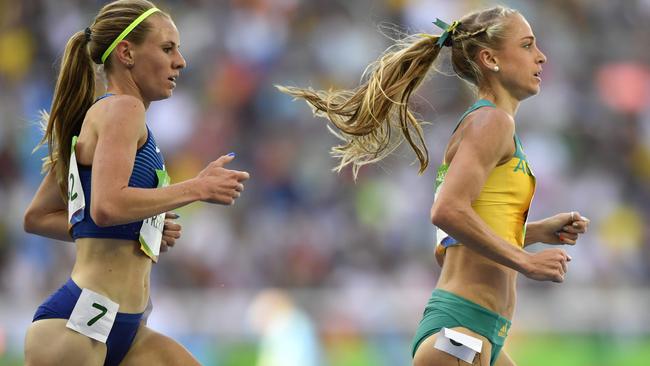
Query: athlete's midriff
x=479, y=279
x=502, y=204
x=116, y=269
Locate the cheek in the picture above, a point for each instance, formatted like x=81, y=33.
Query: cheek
x=152, y=72
x=518, y=68
x=151, y=60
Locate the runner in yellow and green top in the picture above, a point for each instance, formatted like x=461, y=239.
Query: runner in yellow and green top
x=511, y=185
x=484, y=187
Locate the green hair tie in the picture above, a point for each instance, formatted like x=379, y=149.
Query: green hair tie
x=448, y=30
x=126, y=32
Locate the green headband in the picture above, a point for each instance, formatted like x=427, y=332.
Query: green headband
x=448, y=29
x=126, y=32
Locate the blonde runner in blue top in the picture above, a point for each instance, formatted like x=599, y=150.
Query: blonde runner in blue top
x=106, y=188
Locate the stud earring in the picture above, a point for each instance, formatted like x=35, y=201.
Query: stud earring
x=496, y=68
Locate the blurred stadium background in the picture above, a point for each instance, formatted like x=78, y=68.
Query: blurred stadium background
x=310, y=268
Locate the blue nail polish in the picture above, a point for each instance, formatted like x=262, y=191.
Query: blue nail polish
x=231, y=154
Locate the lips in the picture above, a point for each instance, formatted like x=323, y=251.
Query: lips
x=173, y=79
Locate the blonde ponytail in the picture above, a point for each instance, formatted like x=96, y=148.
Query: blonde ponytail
x=373, y=119
x=73, y=96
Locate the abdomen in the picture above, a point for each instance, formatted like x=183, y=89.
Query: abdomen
x=114, y=268
x=470, y=275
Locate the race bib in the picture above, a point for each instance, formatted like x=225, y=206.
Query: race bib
x=93, y=315
x=457, y=344
x=152, y=228
x=76, y=199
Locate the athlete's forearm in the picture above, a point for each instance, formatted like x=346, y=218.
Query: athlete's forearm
x=464, y=225
x=532, y=233
x=135, y=204
x=52, y=225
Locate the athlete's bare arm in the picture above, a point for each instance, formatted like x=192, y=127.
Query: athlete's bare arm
x=563, y=228
x=487, y=139
x=47, y=214
x=114, y=202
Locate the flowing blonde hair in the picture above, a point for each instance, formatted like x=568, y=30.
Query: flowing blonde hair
x=75, y=86
x=373, y=119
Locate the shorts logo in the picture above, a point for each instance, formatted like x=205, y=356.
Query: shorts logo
x=503, y=332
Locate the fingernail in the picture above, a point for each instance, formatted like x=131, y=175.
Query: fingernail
x=569, y=257
x=575, y=224
x=231, y=154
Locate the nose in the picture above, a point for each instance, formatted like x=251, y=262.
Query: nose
x=541, y=58
x=179, y=61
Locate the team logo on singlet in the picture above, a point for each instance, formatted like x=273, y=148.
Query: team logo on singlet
x=522, y=166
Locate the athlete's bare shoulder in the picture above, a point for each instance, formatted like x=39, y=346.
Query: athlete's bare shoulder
x=118, y=112
x=492, y=119
x=484, y=127
x=490, y=130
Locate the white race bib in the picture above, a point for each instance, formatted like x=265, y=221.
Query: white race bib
x=76, y=199
x=93, y=315
x=457, y=344
x=152, y=228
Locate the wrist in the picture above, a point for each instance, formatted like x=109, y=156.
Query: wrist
x=521, y=261
x=531, y=233
x=193, y=191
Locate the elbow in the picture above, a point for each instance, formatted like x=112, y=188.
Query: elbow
x=30, y=222
x=103, y=215
x=438, y=217
x=443, y=215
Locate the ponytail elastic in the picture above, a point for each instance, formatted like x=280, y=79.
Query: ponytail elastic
x=445, y=39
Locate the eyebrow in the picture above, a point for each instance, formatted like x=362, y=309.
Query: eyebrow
x=171, y=43
x=532, y=38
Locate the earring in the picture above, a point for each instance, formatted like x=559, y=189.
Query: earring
x=496, y=68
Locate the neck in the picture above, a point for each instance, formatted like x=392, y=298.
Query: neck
x=122, y=83
x=502, y=99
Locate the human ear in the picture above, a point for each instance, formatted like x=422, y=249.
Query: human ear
x=124, y=53
x=488, y=60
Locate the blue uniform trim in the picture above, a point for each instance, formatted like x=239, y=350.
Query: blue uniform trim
x=148, y=158
x=60, y=305
x=449, y=241
x=104, y=96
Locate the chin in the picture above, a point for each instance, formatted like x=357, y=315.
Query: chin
x=163, y=96
x=528, y=93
